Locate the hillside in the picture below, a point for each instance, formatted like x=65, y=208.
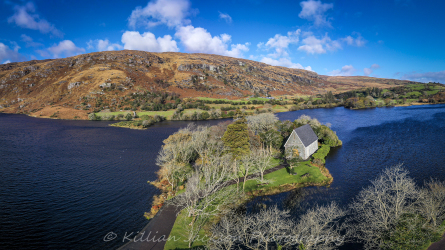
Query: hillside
x=73, y=85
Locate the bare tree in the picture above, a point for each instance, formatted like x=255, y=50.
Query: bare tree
x=225, y=232
x=199, y=141
x=305, y=119
x=261, y=122
x=174, y=156
x=319, y=228
x=249, y=166
x=255, y=231
x=234, y=174
x=432, y=203
x=263, y=158
x=206, y=194
x=170, y=171
x=378, y=207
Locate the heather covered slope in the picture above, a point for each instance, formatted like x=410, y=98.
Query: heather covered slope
x=73, y=86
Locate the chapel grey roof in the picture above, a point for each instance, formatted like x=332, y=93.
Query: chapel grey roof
x=306, y=134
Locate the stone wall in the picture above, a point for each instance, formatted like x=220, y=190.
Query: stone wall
x=294, y=142
x=311, y=149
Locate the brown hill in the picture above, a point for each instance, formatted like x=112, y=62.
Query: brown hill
x=64, y=84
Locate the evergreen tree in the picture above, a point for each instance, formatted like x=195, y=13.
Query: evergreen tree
x=236, y=138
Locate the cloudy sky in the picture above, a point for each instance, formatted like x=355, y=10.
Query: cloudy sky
x=400, y=39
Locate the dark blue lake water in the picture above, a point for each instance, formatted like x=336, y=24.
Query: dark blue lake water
x=66, y=184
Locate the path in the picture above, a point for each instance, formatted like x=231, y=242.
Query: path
x=440, y=245
x=161, y=224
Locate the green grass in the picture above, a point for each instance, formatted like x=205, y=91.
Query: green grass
x=428, y=244
x=102, y=114
x=167, y=113
x=432, y=92
x=258, y=99
x=272, y=163
x=219, y=99
x=179, y=228
x=281, y=108
x=416, y=93
x=281, y=177
x=417, y=86
x=242, y=100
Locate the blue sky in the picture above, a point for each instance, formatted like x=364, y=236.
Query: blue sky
x=400, y=39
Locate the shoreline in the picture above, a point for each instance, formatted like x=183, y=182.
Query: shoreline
x=47, y=117
x=168, y=213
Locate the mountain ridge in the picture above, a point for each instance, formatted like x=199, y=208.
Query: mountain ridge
x=32, y=86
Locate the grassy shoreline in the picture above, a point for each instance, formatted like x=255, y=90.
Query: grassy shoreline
x=282, y=181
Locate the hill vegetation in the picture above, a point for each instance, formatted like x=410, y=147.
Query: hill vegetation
x=116, y=81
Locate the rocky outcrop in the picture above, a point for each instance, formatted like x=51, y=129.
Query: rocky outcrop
x=73, y=84
x=189, y=67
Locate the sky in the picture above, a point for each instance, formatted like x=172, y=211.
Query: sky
x=400, y=39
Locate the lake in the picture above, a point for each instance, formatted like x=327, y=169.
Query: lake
x=66, y=184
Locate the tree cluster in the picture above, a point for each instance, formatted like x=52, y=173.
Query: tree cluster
x=392, y=213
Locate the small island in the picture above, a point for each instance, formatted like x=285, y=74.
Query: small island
x=210, y=171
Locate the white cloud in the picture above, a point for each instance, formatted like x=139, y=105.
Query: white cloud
x=9, y=54
x=284, y=62
x=367, y=71
x=64, y=48
x=24, y=17
x=359, y=41
x=425, y=77
x=29, y=41
x=281, y=43
x=375, y=66
x=347, y=70
x=225, y=17
x=7, y=61
x=199, y=40
x=26, y=38
x=313, y=45
x=315, y=11
x=133, y=40
x=103, y=45
x=172, y=13
x=371, y=69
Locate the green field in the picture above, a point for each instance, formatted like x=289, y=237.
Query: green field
x=281, y=177
x=242, y=100
x=258, y=99
x=218, y=99
x=432, y=92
